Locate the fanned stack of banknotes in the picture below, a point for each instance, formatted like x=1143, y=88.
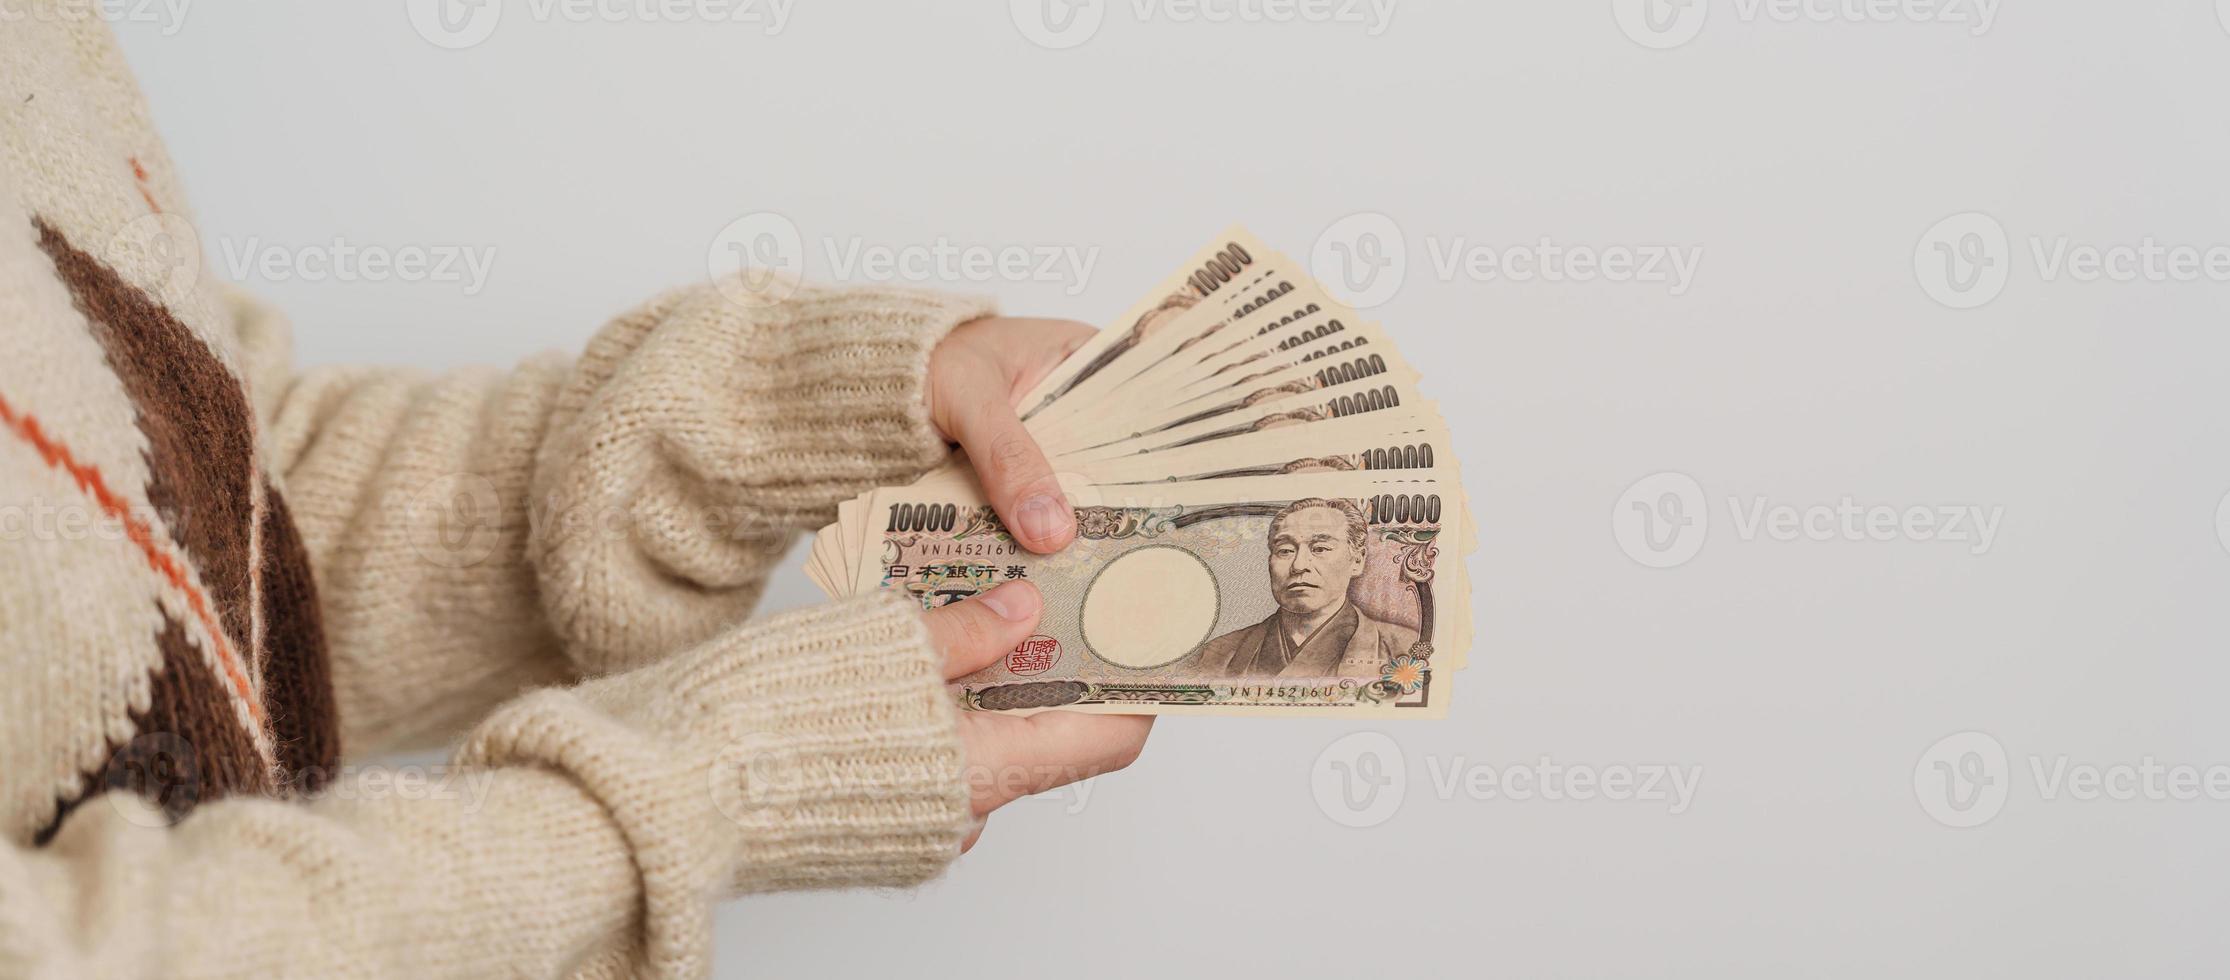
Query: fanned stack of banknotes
x=1269, y=519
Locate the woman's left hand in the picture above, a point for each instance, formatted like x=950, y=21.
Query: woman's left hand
x=977, y=376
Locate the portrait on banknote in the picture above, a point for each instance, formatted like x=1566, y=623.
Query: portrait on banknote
x=1316, y=552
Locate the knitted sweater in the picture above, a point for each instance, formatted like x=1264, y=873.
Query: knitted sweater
x=221, y=579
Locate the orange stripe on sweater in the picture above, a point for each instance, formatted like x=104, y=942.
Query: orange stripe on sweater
x=139, y=174
x=90, y=483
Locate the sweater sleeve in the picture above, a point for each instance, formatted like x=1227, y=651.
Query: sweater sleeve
x=478, y=533
x=583, y=830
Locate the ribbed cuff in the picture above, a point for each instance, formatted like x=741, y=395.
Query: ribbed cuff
x=815, y=749
x=700, y=432
x=851, y=407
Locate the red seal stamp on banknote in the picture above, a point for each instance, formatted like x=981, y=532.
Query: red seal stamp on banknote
x=1035, y=655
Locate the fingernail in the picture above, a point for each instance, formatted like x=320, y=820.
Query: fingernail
x=1008, y=601
x=1043, y=517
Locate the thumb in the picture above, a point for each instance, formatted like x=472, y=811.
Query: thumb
x=1016, y=476
x=975, y=633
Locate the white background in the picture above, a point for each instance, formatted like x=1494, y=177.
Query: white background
x=1806, y=364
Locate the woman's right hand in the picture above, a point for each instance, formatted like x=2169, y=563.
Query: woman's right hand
x=1011, y=756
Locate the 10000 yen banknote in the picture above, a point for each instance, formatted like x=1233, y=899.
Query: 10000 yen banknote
x=1328, y=596
x=1265, y=314
x=1265, y=296
x=1362, y=442
x=1216, y=273
x=1270, y=515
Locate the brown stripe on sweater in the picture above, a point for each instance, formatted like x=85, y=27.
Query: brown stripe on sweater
x=200, y=456
x=190, y=745
x=296, y=681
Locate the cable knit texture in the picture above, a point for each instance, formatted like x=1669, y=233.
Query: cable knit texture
x=225, y=581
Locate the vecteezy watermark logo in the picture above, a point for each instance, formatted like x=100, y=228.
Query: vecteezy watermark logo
x=341, y=260
x=154, y=780
x=944, y=260
x=75, y=518
x=2222, y=510
x=1359, y=779
x=1364, y=256
x=1660, y=24
x=1661, y=520
x=455, y=24
x=1557, y=782
x=159, y=768
x=1848, y=520
x=1963, y=261
x=452, y=520
x=1963, y=780
x=165, y=252
x=169, y=14
x=756, y=260
x=1057, y=24
x=1552, y=261
x=752, y=773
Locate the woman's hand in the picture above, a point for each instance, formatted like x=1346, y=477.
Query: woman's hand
x=1013, y=756
x=977, y=375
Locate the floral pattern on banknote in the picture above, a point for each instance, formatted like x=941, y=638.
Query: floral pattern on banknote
x=1114, y=523
x=1406, y=673
x=1415, y=546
